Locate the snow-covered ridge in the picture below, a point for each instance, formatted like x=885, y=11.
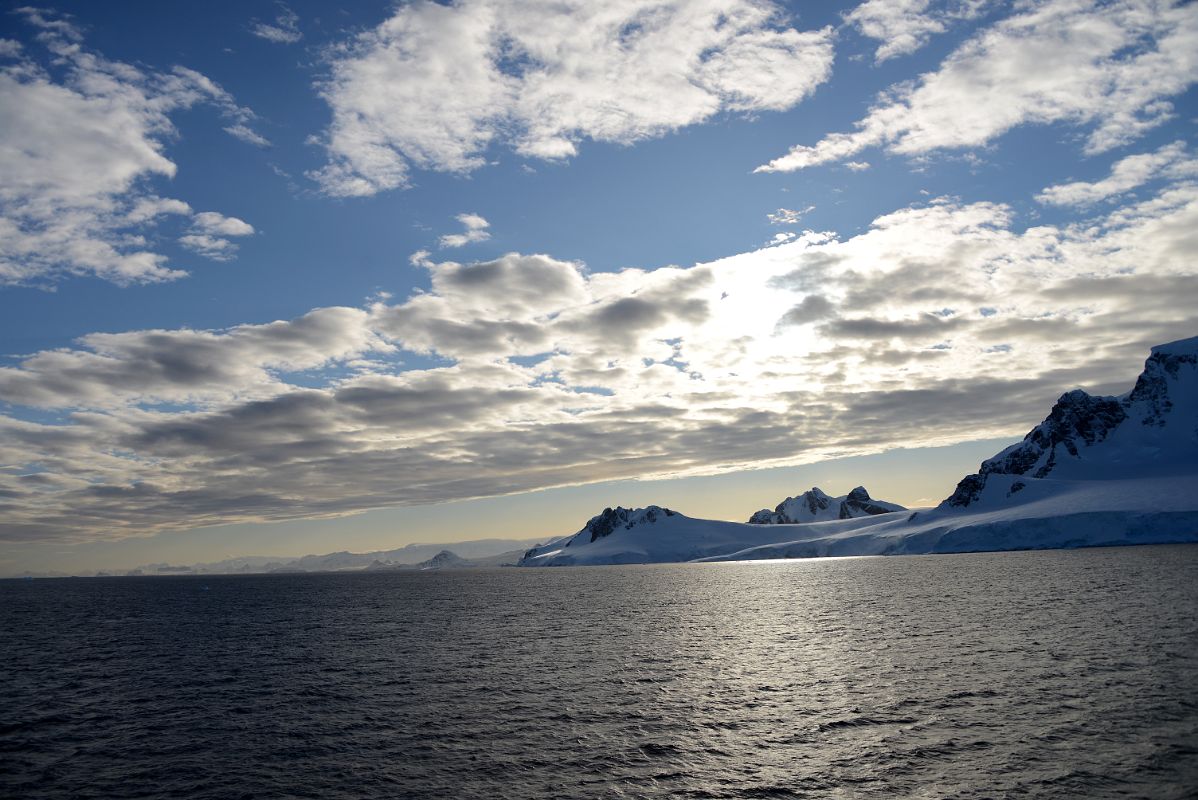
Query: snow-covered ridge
x=1096, y=471
x=619, y=517
x=815, y=505
x=1106, y=437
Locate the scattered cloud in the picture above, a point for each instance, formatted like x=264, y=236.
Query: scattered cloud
x=213, y=222
x=209, y=246
x=542, y=78
x=857, y=166
x=788, y=216
x=247, y=134
x=83, y=138
x=904, y=26
x=285, y=29
x=1128, y=173
x=551, y=375
x=476, y=231
x=210, y=232
x=1110, y=66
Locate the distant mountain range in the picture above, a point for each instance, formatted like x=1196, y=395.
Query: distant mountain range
x=475, y=553
x=1096, y=471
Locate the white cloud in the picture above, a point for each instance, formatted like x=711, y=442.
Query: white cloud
x=941, y=321
x=247, y=134
x=213, y=222
x=1128, y=173
x=208, y=246
x=476, y=231
x=541, y=77
x=788, y=216
x=9, y=48
x=285, y=29
x=857, y=166
x=110, y=370
x=210, y=232
x=1109, y=66
x=79, y=153
x=904, y=26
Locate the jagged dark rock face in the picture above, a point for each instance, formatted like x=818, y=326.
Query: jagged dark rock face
x=1077, y=418
x=762, y=517
x=968, y=490
x=814, y=501
x=1080, y=420
x=856, y=503
x=859, y=500
x=627, y=518
x=1151, y=391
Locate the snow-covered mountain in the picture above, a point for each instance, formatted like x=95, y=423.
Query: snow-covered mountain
x=816, y=506
x=1150, y=431
x=647, y=535
x=1096, y=471
x=446, y=559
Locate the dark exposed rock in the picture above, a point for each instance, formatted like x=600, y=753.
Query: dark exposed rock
x=860, y=502
x=968, y=490
x=1151, y=392
x=808, y=506
x=1078, y=421
x=627, y=518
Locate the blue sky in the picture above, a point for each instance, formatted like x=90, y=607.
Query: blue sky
x=707, y=239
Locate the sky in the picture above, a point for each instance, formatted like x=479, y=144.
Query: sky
x=281, y=278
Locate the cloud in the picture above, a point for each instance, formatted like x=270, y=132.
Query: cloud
x=84, y=138
x=1109, y=66
x=285, y=29
x=541, y=78
x=814, y=307
x=904, y=26
x=216, y=223
x=1128, y=173
x=940, y=322
x=247, y=134
x=476, y=231
x=187, y=366
x=210, y=232
x=788, y=216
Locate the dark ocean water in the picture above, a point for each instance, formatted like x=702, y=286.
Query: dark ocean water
x=1037, y=674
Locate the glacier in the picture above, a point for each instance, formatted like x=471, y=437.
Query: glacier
x=1099, y=470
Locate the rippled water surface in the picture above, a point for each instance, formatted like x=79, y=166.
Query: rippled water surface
x=1039, y=674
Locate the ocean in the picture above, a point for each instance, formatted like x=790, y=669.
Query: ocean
x=1029, y=674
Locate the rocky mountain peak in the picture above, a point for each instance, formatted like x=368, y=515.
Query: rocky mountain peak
x=612, y=519
x=1080, y=422
x=815, y=505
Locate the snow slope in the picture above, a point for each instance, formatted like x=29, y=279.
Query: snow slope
x=1097, y=471
x=647, y=535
